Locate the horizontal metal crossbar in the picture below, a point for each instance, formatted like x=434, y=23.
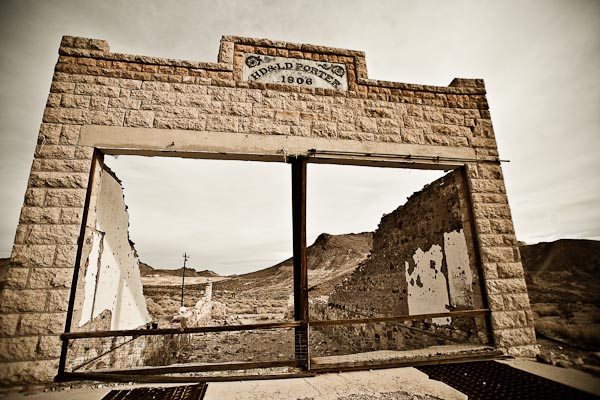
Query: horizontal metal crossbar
x=315, y=152
x=274, y=325
x=102, y=377
x=456, y=314
x=176, y=331
x=182, y=369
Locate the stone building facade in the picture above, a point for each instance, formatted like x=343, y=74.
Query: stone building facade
x=103, y=102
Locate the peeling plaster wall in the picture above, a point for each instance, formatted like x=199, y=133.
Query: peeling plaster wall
x=460, y=278
x=112, y=278
x=427, y=290
x=429, y=237
x=432, y=290
x=423, y=261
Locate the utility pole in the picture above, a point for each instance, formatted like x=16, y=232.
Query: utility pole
x=185, y=258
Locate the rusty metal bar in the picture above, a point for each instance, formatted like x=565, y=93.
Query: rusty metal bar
x=274, y=325
x=300, y=265
x=91, y=376
x=182, y=369
x=466, y=313
x=176, y=331
x=406, y=157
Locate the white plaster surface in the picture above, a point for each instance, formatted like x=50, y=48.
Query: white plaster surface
x=426, y=284
x=91, y=275
x=113, y=279
x=460, y=277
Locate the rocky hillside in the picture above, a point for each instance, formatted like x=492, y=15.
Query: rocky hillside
x=563, y=270
x=147, y=270
x=330, y=259
x=564, y=290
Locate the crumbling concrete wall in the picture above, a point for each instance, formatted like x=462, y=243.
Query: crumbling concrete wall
x=422, y=262
x=205, y=312
x=411, y=249
x=109, y=293
x=110, y=274
x=163, y=105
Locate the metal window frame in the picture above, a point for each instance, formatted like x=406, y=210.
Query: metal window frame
x=302, y=321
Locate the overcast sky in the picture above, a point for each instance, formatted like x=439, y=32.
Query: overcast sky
x=540, y=61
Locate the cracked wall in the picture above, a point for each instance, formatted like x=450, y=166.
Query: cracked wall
x=422, y=262
x=109, y=293
x=110, y=279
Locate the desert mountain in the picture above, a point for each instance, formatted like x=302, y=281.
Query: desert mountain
x=147, y=270
x=329, y=260
x=563, y=270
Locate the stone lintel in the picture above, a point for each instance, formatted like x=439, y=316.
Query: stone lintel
x=276, y=148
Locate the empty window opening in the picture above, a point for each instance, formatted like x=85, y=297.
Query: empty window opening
x=233, y=220
x=391, y=266
x=412, y=256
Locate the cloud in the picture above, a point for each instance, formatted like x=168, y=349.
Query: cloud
x=539, y=62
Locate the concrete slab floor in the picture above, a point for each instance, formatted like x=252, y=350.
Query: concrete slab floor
x=395, y=383
x=384, y=384
x=399, y=383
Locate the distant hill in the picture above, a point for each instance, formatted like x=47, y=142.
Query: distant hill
x=329, y=260
x=146, y=270
x=563, y=270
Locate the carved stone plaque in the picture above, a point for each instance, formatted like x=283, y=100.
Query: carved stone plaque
x=294, y=71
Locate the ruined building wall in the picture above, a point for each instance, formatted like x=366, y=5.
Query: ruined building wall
x=423, y=261
x=428, y=233
x=109, y=279
x=109, y=293
x=137, y=97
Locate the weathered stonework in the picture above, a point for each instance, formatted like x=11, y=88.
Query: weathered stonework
x=121, y=103
x=423, y=261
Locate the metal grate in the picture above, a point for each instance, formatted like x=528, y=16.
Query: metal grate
x=189, y=392
x=493, y=380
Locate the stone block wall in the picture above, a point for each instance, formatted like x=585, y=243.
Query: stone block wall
x=92, y=86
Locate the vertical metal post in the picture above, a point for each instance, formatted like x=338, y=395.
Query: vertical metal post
x=300, y=266
x=185, y=258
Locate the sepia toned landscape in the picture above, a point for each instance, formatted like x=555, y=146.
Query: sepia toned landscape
x=560, y=276
x=267, y=218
